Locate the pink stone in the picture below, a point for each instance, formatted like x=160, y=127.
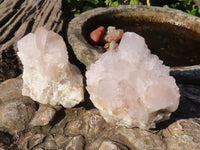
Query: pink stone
x=130, y=86
x=114, y=35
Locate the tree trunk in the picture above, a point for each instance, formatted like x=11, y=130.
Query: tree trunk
x=18, y=18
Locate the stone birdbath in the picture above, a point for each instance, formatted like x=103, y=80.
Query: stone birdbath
x=171, y=34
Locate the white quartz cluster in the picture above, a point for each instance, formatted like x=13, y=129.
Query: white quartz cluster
x=48, y=76
x=130, y=86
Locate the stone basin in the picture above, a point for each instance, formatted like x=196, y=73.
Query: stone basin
x=171, y=34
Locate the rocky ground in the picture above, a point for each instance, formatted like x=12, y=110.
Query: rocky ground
x=25, y=124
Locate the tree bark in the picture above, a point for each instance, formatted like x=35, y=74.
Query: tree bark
x=18, y=18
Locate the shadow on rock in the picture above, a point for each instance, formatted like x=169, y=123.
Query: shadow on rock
x=188, y=107
x=189, y=102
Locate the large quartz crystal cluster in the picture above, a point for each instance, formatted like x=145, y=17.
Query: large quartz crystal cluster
x=48, y=76
x=130, y=86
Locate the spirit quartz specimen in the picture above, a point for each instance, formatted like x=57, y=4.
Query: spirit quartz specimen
x=130, y=86
x=48, y=76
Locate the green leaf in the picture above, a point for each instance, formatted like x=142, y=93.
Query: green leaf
x=198, y=9
x=85, y=8
x=108, y=2
x=187, y=2
x=166, y=6
x=73, y=10
x=115, y=3
x=133, y=2
x=76, y=14
x=95, y=2
x=192, y=12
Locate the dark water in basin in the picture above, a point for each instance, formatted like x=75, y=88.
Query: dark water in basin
x=175, y=45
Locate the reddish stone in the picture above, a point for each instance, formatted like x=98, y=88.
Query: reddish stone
x=97, y=34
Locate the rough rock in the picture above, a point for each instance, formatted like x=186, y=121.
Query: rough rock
x=112, y=146
x=108, y=145
x=62, y=140
x=16, y=115
x=104, y=144
x=35, y=140
x=19, y=18
x=142, y=139
x=49, y=143
x=30, y=139
x=16, y=110
x=90, y=123
x=182, y=135
x=11, y=89
x=48, y=76
x=76, y=143
x=124, y=84
x=43, y=116
x=78, y=125
x=82, y=122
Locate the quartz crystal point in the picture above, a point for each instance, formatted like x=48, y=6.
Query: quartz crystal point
x=130, y=86
x=48, y=76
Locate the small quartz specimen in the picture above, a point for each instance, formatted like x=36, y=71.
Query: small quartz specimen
x=113, y=34
x=130, y=86
x=48, y=76
x=112, y=37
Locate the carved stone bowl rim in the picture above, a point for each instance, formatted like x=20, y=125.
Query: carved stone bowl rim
x=88, y=54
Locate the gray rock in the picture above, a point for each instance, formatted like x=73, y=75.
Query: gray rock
x=144, y=140
x=108, y=145
x=35, y=140
x=88, y=123
x=43, y=116
x=48, y=144
x=76, y=143
x=92, y=126
x=3, y=147
x=86, y=129
x=11, y=90
x=182, y=135
x=62, y=140
x=104, y=144
x=30, y=140
x=95, y=144
x=16, y=110
x=16, y=115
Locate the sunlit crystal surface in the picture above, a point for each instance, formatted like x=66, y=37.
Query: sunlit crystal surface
x=48, y=76
x=130, y=86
